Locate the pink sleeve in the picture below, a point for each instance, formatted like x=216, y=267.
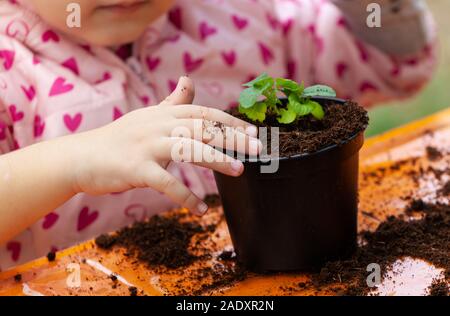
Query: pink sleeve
x=6, y=139
x=18, y=97
x=321, y=48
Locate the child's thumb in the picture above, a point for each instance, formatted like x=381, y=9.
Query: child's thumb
x=184, y=93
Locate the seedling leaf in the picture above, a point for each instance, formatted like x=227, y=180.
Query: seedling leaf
x=287, y=116
x=257, y=80
x=261, y=96
x=249, y=97
x=316, y=110
x=256, y=113
x=289, y=86
x=319, y=91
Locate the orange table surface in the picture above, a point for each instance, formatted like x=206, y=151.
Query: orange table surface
x=378, y=200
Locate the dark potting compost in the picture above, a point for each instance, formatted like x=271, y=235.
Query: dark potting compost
x=427, y=238
x=159, y=241
x=170, y=244
x=439, y=288
x=342, y=120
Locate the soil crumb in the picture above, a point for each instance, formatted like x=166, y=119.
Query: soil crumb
x=133, y=291
x=445, y=191
x=113, y=277
x=226, y=255
x=416, y=205
x=51, y=256
x=105, y=241
x=433, y=153
x=341, y=122
x=18, y=277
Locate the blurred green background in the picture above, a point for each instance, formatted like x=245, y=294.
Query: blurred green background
x=435, y=96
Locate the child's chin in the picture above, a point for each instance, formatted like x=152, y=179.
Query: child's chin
x=112, y=38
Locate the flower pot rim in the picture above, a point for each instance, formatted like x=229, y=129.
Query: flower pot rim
x=307, y=155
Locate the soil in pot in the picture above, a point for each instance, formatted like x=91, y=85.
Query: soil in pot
x=308, y=135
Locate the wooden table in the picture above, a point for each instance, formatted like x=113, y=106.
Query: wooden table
x=378, y=200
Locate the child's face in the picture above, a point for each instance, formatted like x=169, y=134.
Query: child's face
x=103, y=22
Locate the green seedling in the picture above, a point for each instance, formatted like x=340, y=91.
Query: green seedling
x=261, y=97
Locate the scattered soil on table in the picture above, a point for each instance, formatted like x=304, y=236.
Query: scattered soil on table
x=426, y=237
x=159, y=241
x=106, y=241
x=445, y=191
x=416, y=205
x=227, y=255
x=439, y=287
x=380, y=173
x=222, y=276
x=174, y=245
x=341, y=122
x=167, y=242
x=395, y=238
x=133, y=291
x=113, y=277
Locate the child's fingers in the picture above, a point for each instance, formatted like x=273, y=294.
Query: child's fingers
x=233, y=167
x=159, y=179
x=222, y=137
x=193, y=151
x=184, y=93
x=215, y=115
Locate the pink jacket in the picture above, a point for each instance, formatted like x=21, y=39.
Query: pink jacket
x=50, y=86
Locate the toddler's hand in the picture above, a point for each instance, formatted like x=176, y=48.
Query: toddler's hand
x=134, y=151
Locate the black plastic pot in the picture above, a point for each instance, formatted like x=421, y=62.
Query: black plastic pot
x=300, y=217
